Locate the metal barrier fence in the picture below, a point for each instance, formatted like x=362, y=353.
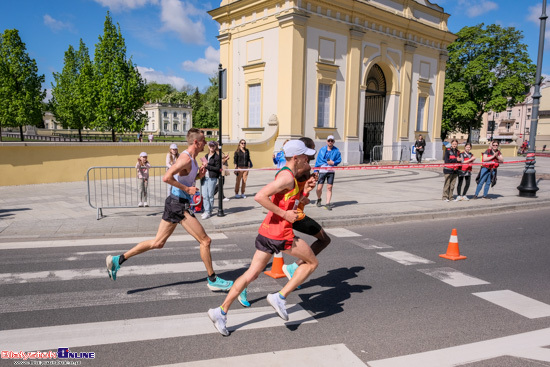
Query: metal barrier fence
x=117, y=187
x=390, y=153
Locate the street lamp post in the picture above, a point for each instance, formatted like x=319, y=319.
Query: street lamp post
x=221, y=95
x=492, y=128
x=528, y=186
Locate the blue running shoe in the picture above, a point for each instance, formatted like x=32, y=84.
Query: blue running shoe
x=243, y=298
x=112, y=266
x=289, y=271
x=219, y=285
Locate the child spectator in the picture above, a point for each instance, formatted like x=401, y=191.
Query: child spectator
x=142, y=168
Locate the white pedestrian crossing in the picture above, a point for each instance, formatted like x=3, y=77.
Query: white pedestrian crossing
x=405, y=258
x=151, y=328
x=321, y=356
x=370, y=244
x=341, y=232
x=453, y=277
x=131, y=270
x=98, y=242
x=517, y=303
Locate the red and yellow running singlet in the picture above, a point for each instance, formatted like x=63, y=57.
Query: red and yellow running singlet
x=274, y=226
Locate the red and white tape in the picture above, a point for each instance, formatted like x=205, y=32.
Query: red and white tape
x=377, y=167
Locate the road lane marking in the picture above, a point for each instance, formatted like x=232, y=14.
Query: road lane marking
x=341, y=232
x=453, y=277
x=152, y=328
x=370, y=244
x=163, y=292
x=526, y=345
x=405, y=258
x=321, y=356
x=98, y=241
x=517, y=303
x=132, y=270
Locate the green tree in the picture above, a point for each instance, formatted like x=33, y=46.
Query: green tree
x=488, y=69
x=73, y=94
x=21, y=92
x=210, y=105
x=156, y=92
x=120, y=88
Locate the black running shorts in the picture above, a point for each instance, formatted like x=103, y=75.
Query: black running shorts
x=329, y=176
x=175, y=208
x=307, y=226
x=272, y=246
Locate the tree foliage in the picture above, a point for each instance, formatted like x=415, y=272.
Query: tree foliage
x=121, y=90
x=73, y=94
x=21, y=92
x=488, y=69
x=156, y=92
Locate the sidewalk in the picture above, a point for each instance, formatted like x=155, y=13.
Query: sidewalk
x=360, y=197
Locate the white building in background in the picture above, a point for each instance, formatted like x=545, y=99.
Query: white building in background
x=168, y=118
x=50, y=123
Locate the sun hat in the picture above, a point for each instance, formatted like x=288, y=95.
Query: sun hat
x=143, y=154
x=173, y=146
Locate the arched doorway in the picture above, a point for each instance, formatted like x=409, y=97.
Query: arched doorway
x=375, y=107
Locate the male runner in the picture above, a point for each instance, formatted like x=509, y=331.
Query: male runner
x=304, y=223
x=181, y=176
x=276, y=235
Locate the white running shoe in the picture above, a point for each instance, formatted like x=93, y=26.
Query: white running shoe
x=140, y=204
x=278, y=304
x=458, y=198
x=465, y=198
x=219, y=320
x=145, y=204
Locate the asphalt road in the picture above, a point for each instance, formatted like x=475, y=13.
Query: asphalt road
x=381, y=293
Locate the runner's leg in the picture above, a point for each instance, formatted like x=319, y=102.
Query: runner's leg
x=163, y=233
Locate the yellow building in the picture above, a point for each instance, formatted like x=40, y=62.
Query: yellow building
x=543, y=127
x=369, y=72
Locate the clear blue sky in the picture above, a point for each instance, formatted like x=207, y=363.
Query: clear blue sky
x=174, y=41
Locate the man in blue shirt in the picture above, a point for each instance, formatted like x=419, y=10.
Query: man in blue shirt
x=328, y=156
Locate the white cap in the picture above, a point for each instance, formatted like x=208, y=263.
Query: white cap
x=143, y=154
x=330, y=137
x=173, y=146
x=296, y=147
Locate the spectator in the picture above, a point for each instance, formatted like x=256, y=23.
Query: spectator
x=241, y=159
x=140, y=136
x=208, y=182
x=151, y=136
x=328, y=156
x=279, y=158
x=172, y=155
x=142, y=168
x=487, y=175
x=451, y=172
x=419, y=146
x=465, y=173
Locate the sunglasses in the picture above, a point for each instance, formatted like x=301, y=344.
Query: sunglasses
x=330, y=141
x=243, y=143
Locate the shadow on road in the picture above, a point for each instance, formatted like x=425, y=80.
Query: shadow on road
x=328, y=302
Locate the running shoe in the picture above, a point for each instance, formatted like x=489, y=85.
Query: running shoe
x=458, y=198
x=140, y=204
x=146, y=204
x=318, y=202
x=219, y=320
x=112, y=266
x=219, y=284
x=289, y=270
x=243, y=298
x=328, y=207
x=465, y=198
x=278, y=304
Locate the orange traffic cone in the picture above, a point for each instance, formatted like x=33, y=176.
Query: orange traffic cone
x=453, y=253
x=276, y=267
